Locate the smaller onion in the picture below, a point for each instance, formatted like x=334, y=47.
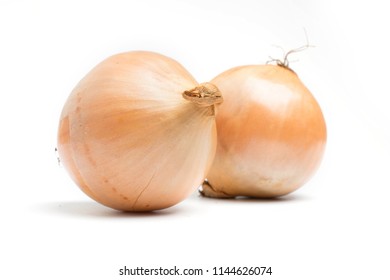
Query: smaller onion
x=138, y=132
x=271, y=133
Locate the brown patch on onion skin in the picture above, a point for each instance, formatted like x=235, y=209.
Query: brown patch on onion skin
x=207, y=190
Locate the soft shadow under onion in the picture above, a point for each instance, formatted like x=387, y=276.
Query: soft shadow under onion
x=95, y=210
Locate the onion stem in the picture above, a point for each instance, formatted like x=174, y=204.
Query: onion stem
x=204, y=95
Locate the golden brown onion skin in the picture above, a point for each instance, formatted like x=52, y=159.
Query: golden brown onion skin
x=130, y=140
x=271, y=133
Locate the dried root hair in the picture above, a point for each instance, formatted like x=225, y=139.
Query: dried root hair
x=285, y=62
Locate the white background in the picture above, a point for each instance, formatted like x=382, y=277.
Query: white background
x=335, y=227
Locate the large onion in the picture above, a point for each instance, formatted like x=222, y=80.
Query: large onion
x=271, y=133
x=138, y=132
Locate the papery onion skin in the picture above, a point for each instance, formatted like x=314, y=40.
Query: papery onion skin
x=128, y=137
x=271, y=133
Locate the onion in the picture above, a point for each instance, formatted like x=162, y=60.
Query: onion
x=138, y=132
x=271, y=133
